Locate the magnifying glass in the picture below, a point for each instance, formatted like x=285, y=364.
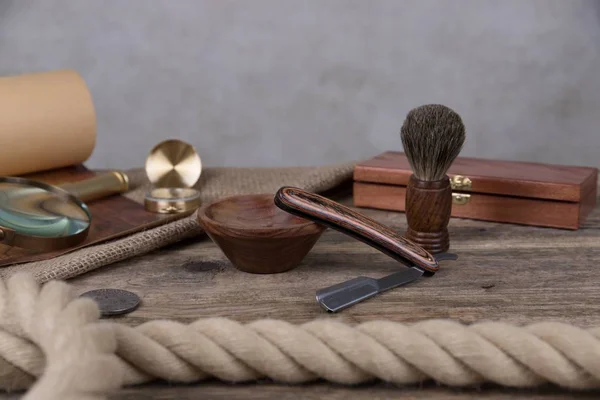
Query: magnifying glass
x=39, y=216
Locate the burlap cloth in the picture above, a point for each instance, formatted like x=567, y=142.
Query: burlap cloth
x=214, y=183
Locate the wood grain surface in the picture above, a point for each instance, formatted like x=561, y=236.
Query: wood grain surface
x=112, y=217
x=509, y=178
x=343, y=219
x=505, y=272
x=485, y=207
x=428, y=209
x=256, y=236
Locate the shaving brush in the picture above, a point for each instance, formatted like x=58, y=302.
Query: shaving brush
x=432, y=136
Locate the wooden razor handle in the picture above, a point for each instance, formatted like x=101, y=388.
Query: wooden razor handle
x=428, y=208
x=334, y=215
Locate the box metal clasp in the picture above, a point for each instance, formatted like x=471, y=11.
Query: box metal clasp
x=461, y=183
x=460, y=198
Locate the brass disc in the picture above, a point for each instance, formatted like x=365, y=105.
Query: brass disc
x=173, y=163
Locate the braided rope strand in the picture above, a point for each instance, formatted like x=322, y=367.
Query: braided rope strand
x=57, y=347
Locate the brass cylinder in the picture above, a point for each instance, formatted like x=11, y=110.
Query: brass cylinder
x=172, y=200
x=101, y=186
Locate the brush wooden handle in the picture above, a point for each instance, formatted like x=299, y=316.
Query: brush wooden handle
x=334, y=215
x=428, y=209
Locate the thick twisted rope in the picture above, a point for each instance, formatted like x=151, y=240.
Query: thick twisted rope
x=58, y=348
x=45, y=334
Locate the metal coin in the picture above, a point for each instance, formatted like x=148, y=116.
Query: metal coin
x=113, y=301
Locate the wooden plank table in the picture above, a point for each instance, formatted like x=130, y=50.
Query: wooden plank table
x=505, y=272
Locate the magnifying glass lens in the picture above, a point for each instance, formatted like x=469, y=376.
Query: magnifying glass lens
x=38, y=212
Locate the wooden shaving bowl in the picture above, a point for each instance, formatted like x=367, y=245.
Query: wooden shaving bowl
x=257, y=236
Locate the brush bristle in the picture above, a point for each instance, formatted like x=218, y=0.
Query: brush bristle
x=432, y=135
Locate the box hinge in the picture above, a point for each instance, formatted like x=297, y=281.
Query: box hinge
x=461, y=183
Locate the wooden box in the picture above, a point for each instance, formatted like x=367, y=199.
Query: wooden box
x=525, y=193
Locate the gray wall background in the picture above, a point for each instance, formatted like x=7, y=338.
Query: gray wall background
x=281, y=82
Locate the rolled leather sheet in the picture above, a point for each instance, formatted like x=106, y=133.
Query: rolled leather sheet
x=47, y=121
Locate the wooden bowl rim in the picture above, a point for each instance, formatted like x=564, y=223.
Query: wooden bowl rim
x=232, y=231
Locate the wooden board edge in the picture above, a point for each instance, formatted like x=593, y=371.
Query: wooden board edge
x=372, y=196
x=588, y=201
x=368, y=172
